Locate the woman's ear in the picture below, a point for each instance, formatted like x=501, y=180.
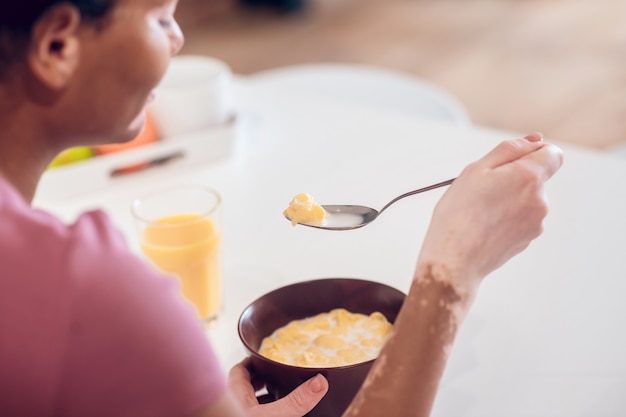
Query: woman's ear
x=54, y=51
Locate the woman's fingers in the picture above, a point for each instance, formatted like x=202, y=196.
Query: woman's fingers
x=299, y=401
x=512, y=150
x=240, y=384
x=534, y=137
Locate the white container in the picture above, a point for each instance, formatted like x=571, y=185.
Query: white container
x=194, y=94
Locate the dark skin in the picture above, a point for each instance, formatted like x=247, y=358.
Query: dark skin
x=49, y=102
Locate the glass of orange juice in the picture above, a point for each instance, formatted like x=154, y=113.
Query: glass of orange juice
x=180, y=232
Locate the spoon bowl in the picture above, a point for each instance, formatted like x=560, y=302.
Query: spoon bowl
x=345, y=217
x=349, y=217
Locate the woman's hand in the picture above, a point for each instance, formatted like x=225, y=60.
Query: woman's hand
x=299, y=402
x=493, y=210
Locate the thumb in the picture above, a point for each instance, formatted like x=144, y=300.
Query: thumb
x=299, y=401
x=546, y=161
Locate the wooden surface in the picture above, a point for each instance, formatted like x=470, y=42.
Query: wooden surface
x=555, y=66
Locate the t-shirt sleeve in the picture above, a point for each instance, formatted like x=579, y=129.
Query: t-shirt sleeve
x=134, y=347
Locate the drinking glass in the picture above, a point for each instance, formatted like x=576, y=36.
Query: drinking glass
x=180, y=231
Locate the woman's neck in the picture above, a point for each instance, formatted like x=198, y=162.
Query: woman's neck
x=22, y=174
x=23, y=159
x=25, y=147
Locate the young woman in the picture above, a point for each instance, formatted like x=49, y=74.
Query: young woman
x=77, y=336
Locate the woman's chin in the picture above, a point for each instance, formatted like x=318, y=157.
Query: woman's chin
x=137, y=125
x=138, y=134
x=129, y=132
x=122, y=137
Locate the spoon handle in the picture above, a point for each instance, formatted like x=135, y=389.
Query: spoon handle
x=421, y=190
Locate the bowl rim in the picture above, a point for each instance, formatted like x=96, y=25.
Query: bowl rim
x=251, y=351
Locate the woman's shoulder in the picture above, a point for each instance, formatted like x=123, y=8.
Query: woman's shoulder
x=42, y=257
x=33, y=233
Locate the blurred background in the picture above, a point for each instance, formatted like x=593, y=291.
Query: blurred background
x=555, y=66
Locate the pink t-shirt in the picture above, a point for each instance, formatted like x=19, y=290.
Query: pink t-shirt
x=87, y=329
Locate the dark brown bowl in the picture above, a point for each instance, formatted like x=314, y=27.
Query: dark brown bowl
x=305, y=299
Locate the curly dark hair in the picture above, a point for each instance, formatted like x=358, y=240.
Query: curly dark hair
x=18, y=17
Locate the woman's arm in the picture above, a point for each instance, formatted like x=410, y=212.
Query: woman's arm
x=489, y=214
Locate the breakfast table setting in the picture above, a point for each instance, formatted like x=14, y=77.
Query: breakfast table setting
x=545, y=335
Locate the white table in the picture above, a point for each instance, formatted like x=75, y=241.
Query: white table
x=546, y=336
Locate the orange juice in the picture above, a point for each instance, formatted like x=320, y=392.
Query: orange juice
x=188, y=246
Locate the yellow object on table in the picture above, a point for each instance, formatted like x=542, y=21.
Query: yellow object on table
x=71, y=155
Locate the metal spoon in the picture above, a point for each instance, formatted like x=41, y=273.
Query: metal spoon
x=348, y=217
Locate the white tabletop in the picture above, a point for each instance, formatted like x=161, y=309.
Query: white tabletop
x=545, y=336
